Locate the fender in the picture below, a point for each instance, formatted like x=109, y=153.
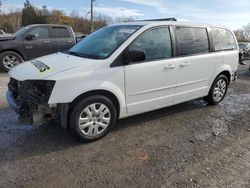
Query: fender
x=16, y=51
x=218, y=70
x=76, y=90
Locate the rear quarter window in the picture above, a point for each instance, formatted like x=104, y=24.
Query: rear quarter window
x=222, y=39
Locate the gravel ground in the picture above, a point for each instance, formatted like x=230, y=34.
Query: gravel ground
x=187, y=145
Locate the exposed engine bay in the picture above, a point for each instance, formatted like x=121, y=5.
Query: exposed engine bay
x=30, y=99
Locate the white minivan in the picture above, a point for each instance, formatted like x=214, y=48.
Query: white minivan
x=123, y=70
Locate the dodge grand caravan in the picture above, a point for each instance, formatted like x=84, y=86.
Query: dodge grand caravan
x=123, y=70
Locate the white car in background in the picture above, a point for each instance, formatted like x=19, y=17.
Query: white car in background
x=123, y=70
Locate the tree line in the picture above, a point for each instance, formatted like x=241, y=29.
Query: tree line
x=29, y=14
x=243, y=34
x=12, y=21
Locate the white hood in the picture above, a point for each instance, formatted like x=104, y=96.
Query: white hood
x=46, y=66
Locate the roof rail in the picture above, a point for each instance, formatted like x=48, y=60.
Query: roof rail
x=161, y=19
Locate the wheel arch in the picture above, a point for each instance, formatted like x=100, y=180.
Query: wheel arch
x=66, y=108
x=16, y=51
x=210, y=98
x=223, y=69
x=101, y=92
x=227, y=74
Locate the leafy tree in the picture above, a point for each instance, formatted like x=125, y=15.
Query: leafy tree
x=29, y=15
x=45, y=11
x=55, y=17
x=43, y=15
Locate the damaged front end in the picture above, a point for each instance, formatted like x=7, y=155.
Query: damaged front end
x=30, y=100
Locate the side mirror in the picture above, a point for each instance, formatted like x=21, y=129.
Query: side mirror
x=134, y=56
x=30, y=37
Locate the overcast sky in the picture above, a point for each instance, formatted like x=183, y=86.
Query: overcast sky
x=231, y=13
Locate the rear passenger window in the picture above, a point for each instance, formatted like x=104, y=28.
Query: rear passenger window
x=156, y=43
x=223, y=39
x=60, y=32
x=192, y=40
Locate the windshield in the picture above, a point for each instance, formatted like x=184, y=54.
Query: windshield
x=102, y=43
x=21, y=31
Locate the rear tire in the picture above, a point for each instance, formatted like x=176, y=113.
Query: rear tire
x=218, y=90
x=9, y=59
x=92, y=118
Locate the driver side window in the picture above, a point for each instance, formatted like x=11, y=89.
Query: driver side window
x=40, y=32
x=156, y=43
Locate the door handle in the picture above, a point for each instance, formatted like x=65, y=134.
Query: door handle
x=46, y=42
x=185, y=64
x=169, y=66
x=70, y=41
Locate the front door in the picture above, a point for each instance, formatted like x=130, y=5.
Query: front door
x=41, y=45
x=151, y=84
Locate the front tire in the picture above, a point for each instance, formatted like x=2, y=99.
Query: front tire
x=9, y=59
x=92, y=118
x=218, y=90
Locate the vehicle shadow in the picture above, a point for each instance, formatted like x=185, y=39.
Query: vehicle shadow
x=161, y=113
x=24, y=141
x=2, y=72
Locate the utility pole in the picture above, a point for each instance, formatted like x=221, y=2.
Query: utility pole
x=92, y=16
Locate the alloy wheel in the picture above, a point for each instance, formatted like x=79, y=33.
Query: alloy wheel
x=219, y=90
x=94, y=119
x=10, y=61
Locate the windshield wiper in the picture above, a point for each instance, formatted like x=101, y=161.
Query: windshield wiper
x=74, y=53
x=84, y=55
x=91, y=56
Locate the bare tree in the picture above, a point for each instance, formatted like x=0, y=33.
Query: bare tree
x=123, y=19
x=243, y=35
x=246, y=32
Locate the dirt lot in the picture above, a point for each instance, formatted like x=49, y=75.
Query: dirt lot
x=188, y=145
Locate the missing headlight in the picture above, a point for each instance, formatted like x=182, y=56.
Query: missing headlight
x=37, y=91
